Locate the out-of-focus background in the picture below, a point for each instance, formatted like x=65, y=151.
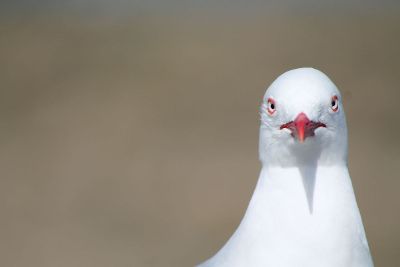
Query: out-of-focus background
x=129, y=130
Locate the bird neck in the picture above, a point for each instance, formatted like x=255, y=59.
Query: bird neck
x=303, y=185
x=289, y=214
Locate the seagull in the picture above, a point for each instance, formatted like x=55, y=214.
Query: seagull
x=303, y=212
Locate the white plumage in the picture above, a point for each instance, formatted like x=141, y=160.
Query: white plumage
x=303, y=212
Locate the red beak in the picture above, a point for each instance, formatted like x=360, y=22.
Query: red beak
x=302, y=127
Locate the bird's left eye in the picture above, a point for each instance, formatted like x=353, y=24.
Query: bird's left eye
x=335, y=103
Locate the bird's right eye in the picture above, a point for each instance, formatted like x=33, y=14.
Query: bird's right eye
x=271, y=106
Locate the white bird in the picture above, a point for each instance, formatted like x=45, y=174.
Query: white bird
x=303, y=212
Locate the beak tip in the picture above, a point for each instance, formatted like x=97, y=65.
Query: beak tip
x=301, y=135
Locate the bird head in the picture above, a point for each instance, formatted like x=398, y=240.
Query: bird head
x=302, y=120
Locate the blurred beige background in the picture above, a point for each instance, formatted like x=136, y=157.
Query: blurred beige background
x=132, y=140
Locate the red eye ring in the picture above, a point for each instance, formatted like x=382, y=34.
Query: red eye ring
x=271, y=106
x=335, y=103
